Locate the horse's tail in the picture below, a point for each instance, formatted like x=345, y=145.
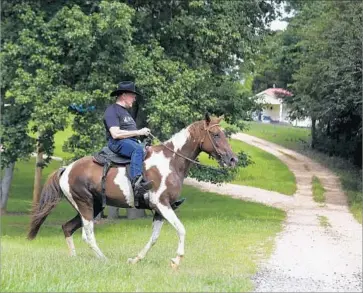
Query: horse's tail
x=49, y=198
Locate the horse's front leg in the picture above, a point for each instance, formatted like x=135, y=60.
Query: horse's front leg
x=157, y=224
x=168, y=213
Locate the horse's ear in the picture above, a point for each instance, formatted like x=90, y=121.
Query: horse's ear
x=207, y=118
x=220, y=118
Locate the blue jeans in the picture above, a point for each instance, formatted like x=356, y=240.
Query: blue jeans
x=129, y=147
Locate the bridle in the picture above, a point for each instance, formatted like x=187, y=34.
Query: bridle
x=207, y=132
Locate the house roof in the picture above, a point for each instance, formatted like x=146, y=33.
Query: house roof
x=272, y=96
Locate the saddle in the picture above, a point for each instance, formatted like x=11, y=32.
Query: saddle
x=109, y=159
x=106, y=156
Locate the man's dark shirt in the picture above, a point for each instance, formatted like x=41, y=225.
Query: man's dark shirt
x=116, y=115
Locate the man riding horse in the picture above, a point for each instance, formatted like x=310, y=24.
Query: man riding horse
x=122, y=133
x=166, y=165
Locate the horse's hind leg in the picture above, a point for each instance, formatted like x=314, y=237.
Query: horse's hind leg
x=83, y=201
x=157, y=224
x=69, y=228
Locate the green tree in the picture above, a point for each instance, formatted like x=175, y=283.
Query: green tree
x=179, y=58
x=318, y=58
x=211, y=37
x=35, y=82
x=62, y=59
x=329, y=79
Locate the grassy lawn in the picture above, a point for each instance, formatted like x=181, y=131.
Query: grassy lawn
x=59, y=138
x=294, y=138
x=225, y=240
x=267, y=172
x=318, y=190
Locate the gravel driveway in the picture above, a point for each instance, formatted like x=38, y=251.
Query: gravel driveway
x=308, y=256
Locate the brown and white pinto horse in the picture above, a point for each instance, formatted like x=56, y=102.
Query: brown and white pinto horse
x=80, y=182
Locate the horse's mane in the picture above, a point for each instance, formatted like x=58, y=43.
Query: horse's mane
x=194, y=128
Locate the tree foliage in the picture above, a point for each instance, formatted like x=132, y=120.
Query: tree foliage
x=319, y=59
x=220, y=174
x=185, y=57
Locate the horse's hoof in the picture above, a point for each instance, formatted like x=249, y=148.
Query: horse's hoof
x=174, y=263
x=72, y=253
x=174, y=266
x=133, y=260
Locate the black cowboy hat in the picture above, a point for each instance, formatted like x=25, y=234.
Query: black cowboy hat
x=125, y=87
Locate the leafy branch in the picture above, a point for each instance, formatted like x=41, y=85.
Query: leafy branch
x=220, y=175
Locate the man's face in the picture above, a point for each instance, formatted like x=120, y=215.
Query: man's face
x=129, y=99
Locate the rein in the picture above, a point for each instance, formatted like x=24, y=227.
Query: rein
x=200, y=146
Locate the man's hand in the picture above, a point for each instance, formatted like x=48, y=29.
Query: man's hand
x=144, y=131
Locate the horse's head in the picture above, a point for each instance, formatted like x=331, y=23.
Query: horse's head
x=214, y=142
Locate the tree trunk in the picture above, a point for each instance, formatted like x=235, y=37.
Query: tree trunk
x=313, y=132
x=38, y=176
x=113, y=213
x=5, y=186
x=135, y=214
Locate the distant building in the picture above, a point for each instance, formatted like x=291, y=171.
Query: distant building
x=274, y=110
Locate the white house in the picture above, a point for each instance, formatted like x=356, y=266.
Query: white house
x=274, y=109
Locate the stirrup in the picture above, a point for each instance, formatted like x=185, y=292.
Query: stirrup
x=141, y=189
x=141, y=183
x=147, y=185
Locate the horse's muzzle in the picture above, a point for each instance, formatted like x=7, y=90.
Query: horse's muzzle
x=229, y=160
x=233, y=161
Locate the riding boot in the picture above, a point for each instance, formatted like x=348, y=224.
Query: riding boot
x=140, y=187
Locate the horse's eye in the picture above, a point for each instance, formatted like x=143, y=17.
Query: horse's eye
x=216, y=135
